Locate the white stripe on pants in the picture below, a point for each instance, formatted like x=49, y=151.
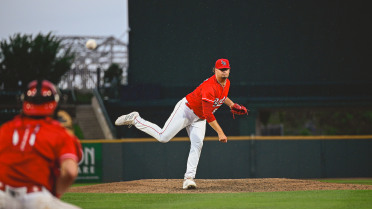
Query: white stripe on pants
x=181, y=117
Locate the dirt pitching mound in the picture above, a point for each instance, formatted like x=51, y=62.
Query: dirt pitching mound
x=216, y=186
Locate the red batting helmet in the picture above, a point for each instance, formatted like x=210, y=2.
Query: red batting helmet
x=40, y=99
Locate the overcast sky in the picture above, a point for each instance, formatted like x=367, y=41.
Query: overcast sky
x=63, y=17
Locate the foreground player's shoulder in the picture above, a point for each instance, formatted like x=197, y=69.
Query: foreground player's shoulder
x=6, y=128
x=56, y=126
x=11, y=124
x=6, y=124
x=53, y=122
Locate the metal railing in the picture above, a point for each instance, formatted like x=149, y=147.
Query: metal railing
x=111, y=127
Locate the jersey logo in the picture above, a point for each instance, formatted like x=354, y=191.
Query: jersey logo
x=28, y=135
x=218, y=102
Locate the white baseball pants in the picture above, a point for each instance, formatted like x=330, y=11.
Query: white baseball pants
x=181, y=117
x=18, y=198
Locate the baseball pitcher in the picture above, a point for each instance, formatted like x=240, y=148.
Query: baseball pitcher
x=192, y=113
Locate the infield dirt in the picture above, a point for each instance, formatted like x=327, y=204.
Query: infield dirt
x=216, y=186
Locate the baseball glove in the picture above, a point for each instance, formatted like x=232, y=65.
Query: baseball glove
x=238, y=109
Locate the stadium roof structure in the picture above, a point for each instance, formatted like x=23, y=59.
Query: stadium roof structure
x=87, y=69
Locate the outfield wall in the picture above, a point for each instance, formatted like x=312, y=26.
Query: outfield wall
x=241, y=157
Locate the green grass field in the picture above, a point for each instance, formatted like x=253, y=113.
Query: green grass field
x=348, y=181
x=338, y=199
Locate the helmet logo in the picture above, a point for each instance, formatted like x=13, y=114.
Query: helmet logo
x=47, y=93
x=31, y=92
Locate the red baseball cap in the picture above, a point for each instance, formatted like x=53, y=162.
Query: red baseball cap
x=222, y=63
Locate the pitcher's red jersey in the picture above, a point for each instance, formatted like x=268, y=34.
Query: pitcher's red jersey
x=31, y=151
x=210, y=91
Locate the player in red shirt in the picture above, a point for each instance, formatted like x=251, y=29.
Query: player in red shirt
x=38, y=157
x=192, y=113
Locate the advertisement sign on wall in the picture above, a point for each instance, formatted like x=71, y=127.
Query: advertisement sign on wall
x=90, y=167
